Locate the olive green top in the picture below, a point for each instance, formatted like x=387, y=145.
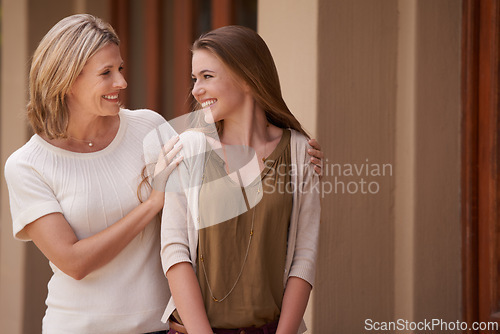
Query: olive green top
x=257, y=281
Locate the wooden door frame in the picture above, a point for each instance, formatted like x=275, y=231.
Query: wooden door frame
x=480, y=160
x=469, y=194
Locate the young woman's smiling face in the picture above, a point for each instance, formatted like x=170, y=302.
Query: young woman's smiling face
x=96, y=89
x=215, y=86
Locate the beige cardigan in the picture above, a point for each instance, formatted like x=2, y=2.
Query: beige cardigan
x=179, y=236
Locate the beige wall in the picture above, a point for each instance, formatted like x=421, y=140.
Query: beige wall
x=387, y=91
x=13, y=134
x=290, y=28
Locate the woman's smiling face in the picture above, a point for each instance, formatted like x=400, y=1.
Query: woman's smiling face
x=215, y=86
x=96, y=89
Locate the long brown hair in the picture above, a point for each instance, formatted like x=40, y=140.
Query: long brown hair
x=246, y=54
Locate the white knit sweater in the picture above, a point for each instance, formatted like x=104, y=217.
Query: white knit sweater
x=92, y=191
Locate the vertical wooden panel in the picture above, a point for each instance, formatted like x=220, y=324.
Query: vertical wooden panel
x=120, y=11
x=357, y=54
x=489, y=167
x=183, y=38
x=152, y=65
x=437, y=228
x=222, y=13
x=405, y=161
x=470, y=68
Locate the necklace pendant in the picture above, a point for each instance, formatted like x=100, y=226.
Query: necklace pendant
x=264, y=159
x=91, y=144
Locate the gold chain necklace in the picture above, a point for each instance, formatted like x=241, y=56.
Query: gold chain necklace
x=241, y=270
x=202, y=259
x=88, y=142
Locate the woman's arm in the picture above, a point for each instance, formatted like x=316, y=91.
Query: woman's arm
x=294, y=305
x=53, y=235
x=187, y=297
x=301, y=274
x=178, y=248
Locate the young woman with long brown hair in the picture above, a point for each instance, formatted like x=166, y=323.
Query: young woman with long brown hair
x=241, y=217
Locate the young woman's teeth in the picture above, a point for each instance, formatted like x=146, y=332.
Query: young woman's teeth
x=208, y=103
x=110, y=97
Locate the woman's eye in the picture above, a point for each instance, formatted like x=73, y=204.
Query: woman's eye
x=120, y=68
x=206, y=76
x=105, y=73
x=193, y=79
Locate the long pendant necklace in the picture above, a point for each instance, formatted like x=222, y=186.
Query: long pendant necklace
x=202, y=259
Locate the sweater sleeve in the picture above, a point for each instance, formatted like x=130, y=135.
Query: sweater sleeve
x=30, y=196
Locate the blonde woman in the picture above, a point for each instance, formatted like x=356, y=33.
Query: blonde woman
x=73, y=186
x=241, y=217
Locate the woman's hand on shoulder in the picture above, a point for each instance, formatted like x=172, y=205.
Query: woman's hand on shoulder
x=166, y=163
x=316, y=156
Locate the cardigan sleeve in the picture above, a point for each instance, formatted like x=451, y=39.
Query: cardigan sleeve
x=308, y=217
x=174, y=232
x=180, y=208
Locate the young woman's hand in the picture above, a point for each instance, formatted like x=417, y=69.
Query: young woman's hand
x=316, y=156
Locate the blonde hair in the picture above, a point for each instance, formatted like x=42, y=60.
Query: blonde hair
x=246, y=54
x=57, y=62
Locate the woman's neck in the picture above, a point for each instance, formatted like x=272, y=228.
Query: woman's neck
x=249, y=127
x=88, y=127
x=87, y=133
